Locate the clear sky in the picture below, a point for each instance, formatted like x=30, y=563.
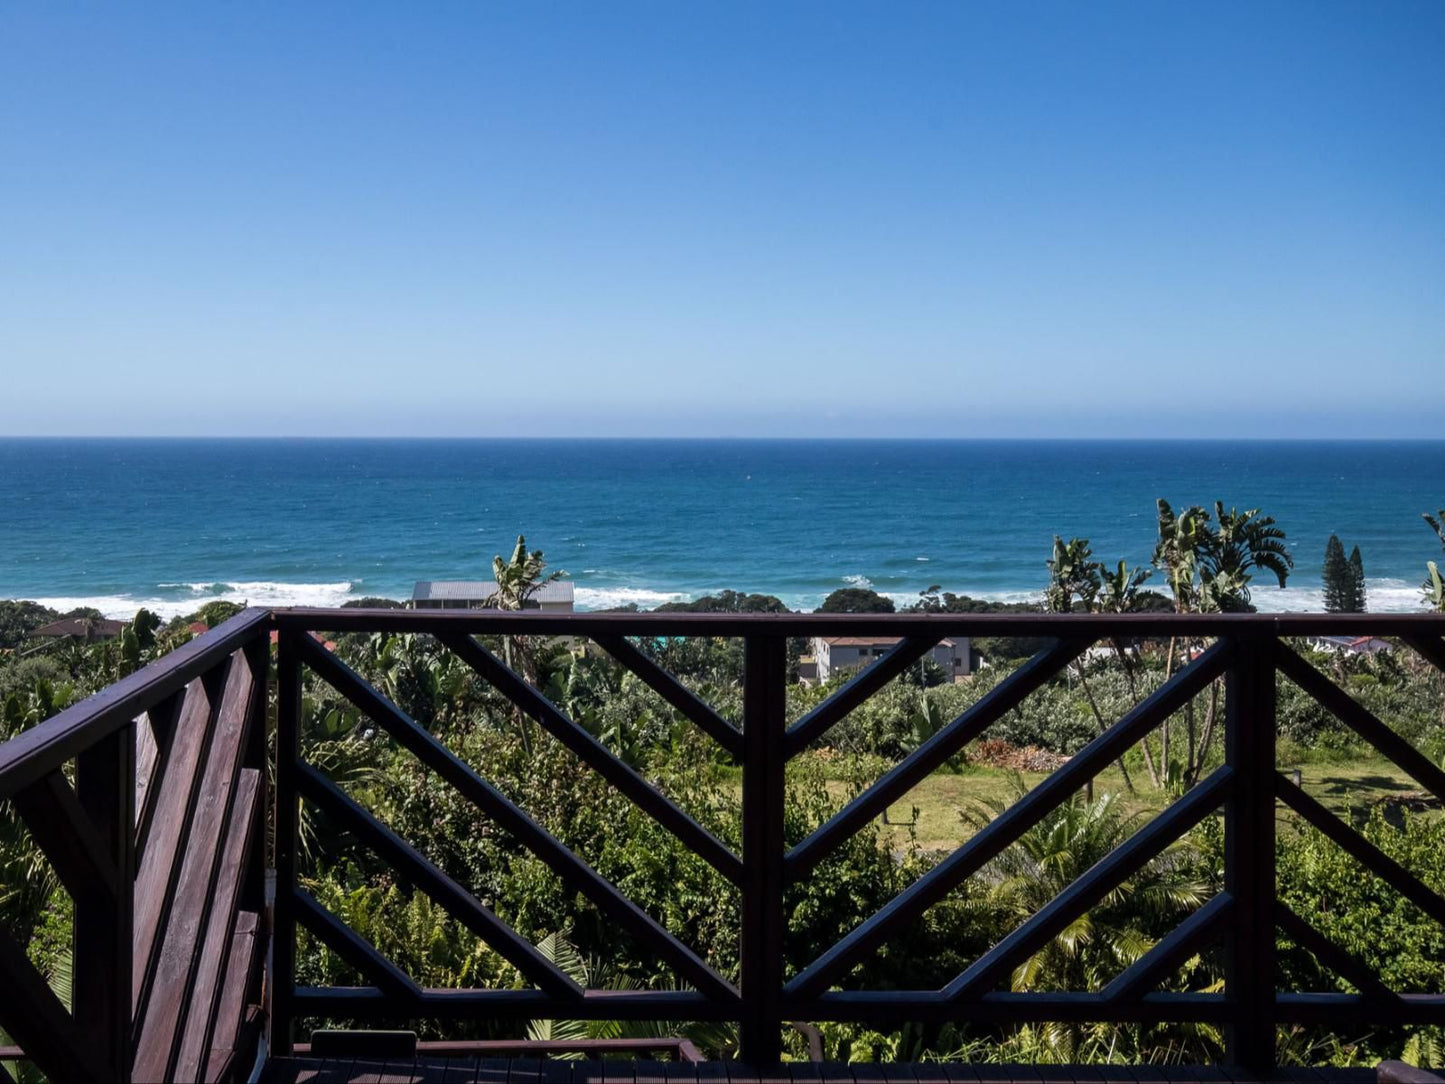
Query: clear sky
x=952, y=219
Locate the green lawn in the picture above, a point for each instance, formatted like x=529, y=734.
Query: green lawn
x=939, y=799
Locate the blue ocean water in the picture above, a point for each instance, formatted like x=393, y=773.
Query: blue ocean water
x=167, y=523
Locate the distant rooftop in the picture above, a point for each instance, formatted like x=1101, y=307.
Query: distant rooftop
x=478, y=590
x=82, y=628
x=867, y=641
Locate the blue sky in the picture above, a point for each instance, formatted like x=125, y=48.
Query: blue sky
x=971, y=219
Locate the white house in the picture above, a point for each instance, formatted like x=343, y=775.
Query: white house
x=1350, y=645
x=554, y=597
x=835, y=654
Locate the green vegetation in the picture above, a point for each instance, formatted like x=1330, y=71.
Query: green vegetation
x=1434, y=586
x=856, y=600
x=1206, y=560
x=727, y=602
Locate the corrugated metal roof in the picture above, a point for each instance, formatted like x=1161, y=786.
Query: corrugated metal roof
x=477, y=590
x=867, y=641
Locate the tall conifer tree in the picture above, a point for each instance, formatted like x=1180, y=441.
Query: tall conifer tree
x=1335, y=578
x=1357, y=581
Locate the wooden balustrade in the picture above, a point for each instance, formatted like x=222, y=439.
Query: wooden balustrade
x=160, y=841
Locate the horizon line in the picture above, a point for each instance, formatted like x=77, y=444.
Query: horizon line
x=738, y=438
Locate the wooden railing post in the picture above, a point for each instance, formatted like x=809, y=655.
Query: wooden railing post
x=104, y=926
x=288, y=752
x=1249, y=856
x=764, y=721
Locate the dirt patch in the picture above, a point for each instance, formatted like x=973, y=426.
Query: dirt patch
x=997, y=753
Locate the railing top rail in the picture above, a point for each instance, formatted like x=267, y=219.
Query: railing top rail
x=898, y=624
x=41, y=749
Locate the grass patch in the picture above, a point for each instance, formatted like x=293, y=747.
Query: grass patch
x=934, y=805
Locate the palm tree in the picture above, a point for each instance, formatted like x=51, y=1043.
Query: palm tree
x=1434, y=586
x=1240, y=543
x=1209, y=567
x=1091, y=950
x=517, y=581
x=520, y=578
x=1074, y=572
x=1120, y=595
x=1182, y=540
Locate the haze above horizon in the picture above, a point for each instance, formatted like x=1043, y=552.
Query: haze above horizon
x=723, y=220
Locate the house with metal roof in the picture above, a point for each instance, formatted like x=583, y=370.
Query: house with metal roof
x=555, y=597
x=80, y=628
x=835, y=654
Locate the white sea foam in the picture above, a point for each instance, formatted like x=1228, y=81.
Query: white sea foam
x=175, y=599
x=607, y=598
x=1381, y=595
x=253, y=592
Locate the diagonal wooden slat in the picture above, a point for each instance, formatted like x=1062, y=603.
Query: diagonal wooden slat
x=1362, y=850
x=868, y=681
x=574, y=871
x=158, y=864
x=236, y=987
x=1362, y=721
x=38, y=1022
x=1008, y=826
x=1147, y=972
x=1342, y=963
x=597, y=756
x=673, y=691
x=67, y=835
x=1092, y=886
x=162, y=1014
x=354, y=949
x=457, y=901
x=923, y=761
x=154, y=732
x=205, y=991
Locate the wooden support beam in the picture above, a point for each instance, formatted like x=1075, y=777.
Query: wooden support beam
x=764, y=718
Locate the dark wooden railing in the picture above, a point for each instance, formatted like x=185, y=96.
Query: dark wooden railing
x=160, y=843
x=193, y=858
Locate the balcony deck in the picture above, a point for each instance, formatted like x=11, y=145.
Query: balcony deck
x=184, y=966
x=464, y=1070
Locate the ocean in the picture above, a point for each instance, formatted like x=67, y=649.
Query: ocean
x=167, y=524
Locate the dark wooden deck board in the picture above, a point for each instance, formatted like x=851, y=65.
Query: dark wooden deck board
x=433, y=1069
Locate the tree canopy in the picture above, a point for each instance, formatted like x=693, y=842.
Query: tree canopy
x=727, y=602
x=856, y=600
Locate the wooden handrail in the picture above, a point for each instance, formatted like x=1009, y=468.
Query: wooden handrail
x=43, y=748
